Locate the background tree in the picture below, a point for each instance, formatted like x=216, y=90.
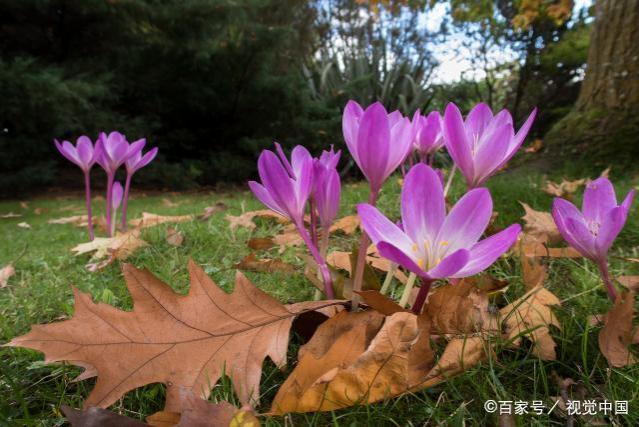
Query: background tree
x=605, y=122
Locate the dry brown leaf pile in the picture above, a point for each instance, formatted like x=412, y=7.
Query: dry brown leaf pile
x=182, y=341
x=619, y=332
x=246, y=219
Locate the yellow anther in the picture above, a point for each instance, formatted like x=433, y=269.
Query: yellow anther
x=420, y=263
x=438, y=261
x=443, y=243
x=426, y=244
x=414, y=247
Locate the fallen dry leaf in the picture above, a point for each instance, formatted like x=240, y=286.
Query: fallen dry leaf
x=120, y=246
x=540, y=224
x=260, y=243
x=5, y=273
x=24, y=225
x=24, y=205
x=246, y=219
x=197, y=412
x=174, y=237
x=629, y=282
x=347, y=225
x=350, y=360
x=40, y=211
x=380, y=303
x=618, y=332
x=534, y=273
x=536, y=145
x=183, y=341
x=10, y=215
x=209, y=211
x=459, y=355
x=169, y=204
x=288, y=237
x=342, y=260
x=150, y=220
x=564, y=188
x=533, y=247
x=77, y=220
x=265, y=265
x=98, y=417
x=461, y=308
x=530, y=316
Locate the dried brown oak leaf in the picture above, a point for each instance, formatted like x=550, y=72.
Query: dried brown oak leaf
x=151, y=220
x=530, y=316
x=246, y=219
x=342, y=260
x=184, y=341
x=98, y=417
x=119, y=247
x=618, y=332
x=264, y=265
x=347, y=225
x=540, y=224
x=344, y=365
x=461, y=308
x=564, y=188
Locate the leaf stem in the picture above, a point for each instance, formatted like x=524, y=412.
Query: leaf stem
x=321, y=263
x=87, y=195
x=125, y=199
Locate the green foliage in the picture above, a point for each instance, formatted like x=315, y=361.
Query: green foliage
x=209, y=82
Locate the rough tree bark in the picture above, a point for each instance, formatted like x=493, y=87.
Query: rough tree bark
x=612, y=75
x=603, y=127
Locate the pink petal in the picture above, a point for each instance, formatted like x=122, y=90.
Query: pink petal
x=485, y=252
x=423, y=205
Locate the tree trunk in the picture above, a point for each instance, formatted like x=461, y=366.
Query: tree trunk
x=612, y=74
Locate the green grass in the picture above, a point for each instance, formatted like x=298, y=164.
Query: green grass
x=40, y=293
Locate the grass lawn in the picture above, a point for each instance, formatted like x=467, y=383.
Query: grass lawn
x=39, y=293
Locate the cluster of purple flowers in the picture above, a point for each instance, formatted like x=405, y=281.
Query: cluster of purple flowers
x=110, y=151
x=429, y=242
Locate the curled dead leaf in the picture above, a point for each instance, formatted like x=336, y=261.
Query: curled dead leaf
x=174, y=237
x=629, y=282
x=531, y=316
x=618, y=332
x=120, y=246
x=265, y=265
x=246, y=219
x=342, y=260
x=261, y=243
x=564, y=188
x=151, y=220
x=347, y=225
x=94, y=417
x=209, y=211
x=24, y=225
x=461, y=308
x=540, y=225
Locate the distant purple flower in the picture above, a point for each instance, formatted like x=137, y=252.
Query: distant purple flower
x=327, y=187
x=115, y=150
x=428, y=137
x=379, y=142
x=134, y=163
x=483, y=143
x=84, y=155
x=593, y=230
x=285, y=188
x=434, y=245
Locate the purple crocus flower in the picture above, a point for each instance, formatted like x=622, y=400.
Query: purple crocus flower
x=134, y=163
x=114, y=152
x=379, y=142
x=84, y=155
x=483, y=143
x=593, y=230
x=285, y=189
x=434, y=245
x=428, y=137
x=116, y=199
x=327, y=188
